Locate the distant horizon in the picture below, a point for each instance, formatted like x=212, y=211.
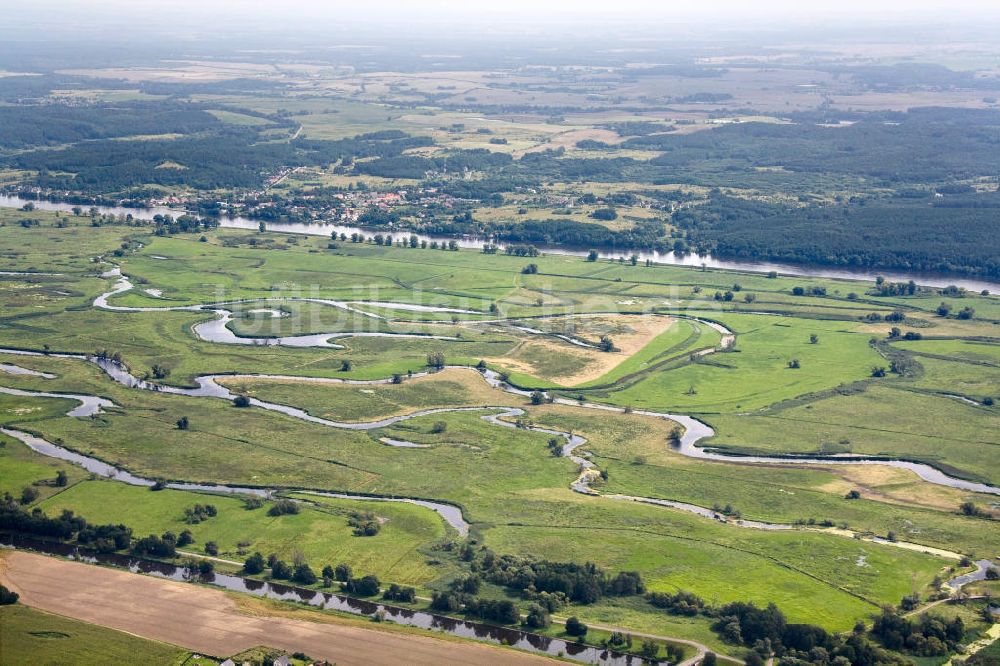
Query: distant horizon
x=315, y=15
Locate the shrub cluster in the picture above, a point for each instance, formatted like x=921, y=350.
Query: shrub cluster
x=580, y=583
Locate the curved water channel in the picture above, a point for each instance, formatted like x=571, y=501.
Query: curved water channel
x=476, y=243
x=693, y=432
x=207, y=386
x=217, y=330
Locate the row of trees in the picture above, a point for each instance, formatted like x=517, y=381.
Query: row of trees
x=413, y=241
x=300, y=572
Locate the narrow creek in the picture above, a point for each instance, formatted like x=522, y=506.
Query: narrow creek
x=208, y=386
x=451, y=514
x=218, y=331
x=694, y=431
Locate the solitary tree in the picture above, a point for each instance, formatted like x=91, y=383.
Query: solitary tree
x=537, y=618
x=280, y=570
x=29, y=494
x=970, y=509
x=304, y=575
x=254, y=564
x=576, y=628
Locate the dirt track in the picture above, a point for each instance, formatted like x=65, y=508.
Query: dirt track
x=207, y=621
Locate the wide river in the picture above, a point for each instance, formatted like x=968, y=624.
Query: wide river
x=471, y=242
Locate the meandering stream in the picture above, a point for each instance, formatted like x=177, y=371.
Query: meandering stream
x=208, y=387
x=694, y=431
x=218, y=331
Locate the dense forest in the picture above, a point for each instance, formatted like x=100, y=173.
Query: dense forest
x=231, y=158
x=56, y=124
x=414, y=166
x=894, y=234
x=223, y=156
x=571, y=233
x=926, y=145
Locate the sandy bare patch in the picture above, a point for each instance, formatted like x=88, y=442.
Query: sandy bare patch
x=598, y=363
x=893, y=486
x=645, y=329
x=210, y=622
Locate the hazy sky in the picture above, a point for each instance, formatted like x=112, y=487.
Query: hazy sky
x=296, y=11
x=284, y=23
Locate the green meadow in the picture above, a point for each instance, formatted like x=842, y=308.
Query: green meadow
x=320, y=532
x=512, y=490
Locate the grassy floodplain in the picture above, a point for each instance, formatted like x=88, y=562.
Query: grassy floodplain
x=322, y=534
x=512, y=490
